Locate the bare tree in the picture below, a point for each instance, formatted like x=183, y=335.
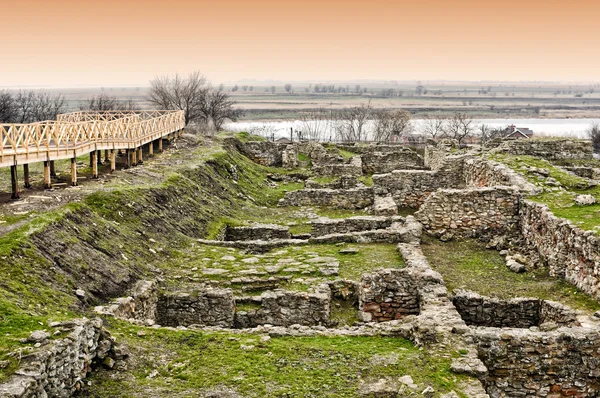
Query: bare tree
x=47, y=107
x=235, y=88
x=251, y=88
x=24, y=103
x=288, y=88
x=593, y=133
x=350, y=124
x=273, y=89
x=388, y=124
x=8, y=111
x=104, y=102
x=219, y=108
x=434, y=127
x=315, y=124
x=188, y=94
x=460, y=126
x=245, y=87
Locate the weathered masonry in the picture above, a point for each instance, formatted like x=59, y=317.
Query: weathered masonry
x=79, y=133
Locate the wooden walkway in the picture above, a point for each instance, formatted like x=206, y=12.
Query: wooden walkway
x=86, y=132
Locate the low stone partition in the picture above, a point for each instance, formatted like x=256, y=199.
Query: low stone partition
x=352, y=168
x=342, y=182
x=257, y=232
x=407, y=230
x=386, y=162
x=286, y=308
x=551, y=149
x=140, y=305
x=591, y=173
x=477, y=212
x=410, y=188
x=356, y=198
x=566, y=250
x=203, y=307
x=58, y=367
x=520, y=312
x=526, y=363
x=388, y=294
x=326, y=226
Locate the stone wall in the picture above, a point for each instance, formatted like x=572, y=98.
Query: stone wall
x=591, y=173
x=140, y=305
x=356, y=198
x=286, y=308
x=388, y=294
x=551, y=149
x=257, y=232
x=204, y=307
x=477, y=212
x=410, y=188
x=565, y=249
x=385, y=162
x=263, y=152
x=351, y=168
x=519, y=312
x=58, y=367
x=525, y=363
x=480, y=172
x=342, y=182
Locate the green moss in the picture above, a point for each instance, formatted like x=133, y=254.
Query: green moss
x=469, y=265
x=367, y=180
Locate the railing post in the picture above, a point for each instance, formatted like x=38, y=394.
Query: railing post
x=47, y=181
x=14, y=182
x=74, y=171
x=27, y=183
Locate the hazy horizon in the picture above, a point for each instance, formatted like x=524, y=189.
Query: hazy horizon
x=71, y=44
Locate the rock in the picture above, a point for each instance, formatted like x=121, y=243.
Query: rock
x=38, y=336
x=349, y=250
x=407, y=380
x=80, y=293
x=428, y=392
x=385, y=206
x=514, y=265
x=228, y=258
x=451, y=394
x=380, y=388
x=4, y=364
x=585, y=200
x=108, y=363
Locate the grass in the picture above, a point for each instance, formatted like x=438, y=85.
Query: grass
x=343, y=312
x=469, y=265
x=561, y=201
x=188, y=363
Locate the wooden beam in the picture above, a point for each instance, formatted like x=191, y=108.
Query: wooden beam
x=95, y=164
x=74, y=171
x=133, y=157
x=14, y=180
x=151, y=148
x=160, y=145
x=47, y=180
x=27, y=183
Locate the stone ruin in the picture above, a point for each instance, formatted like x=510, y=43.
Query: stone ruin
x=519, y=347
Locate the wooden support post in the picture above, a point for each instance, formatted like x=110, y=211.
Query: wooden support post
x=128, y=158
x=151, y=148
x=47, y=181
x=140, y=157
x=74, y=171
x=92, y=157
x=133, y=156
x=14, y=182
x=52, y=170
x=160, y=148
x=113, y=161
x=95, y=164
x=26, y=176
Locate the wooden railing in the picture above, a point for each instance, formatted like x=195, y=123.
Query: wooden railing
x=73, y=134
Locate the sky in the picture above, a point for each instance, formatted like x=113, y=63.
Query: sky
x=94, y=43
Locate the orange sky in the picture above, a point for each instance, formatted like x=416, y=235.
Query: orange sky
x=127, y=42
